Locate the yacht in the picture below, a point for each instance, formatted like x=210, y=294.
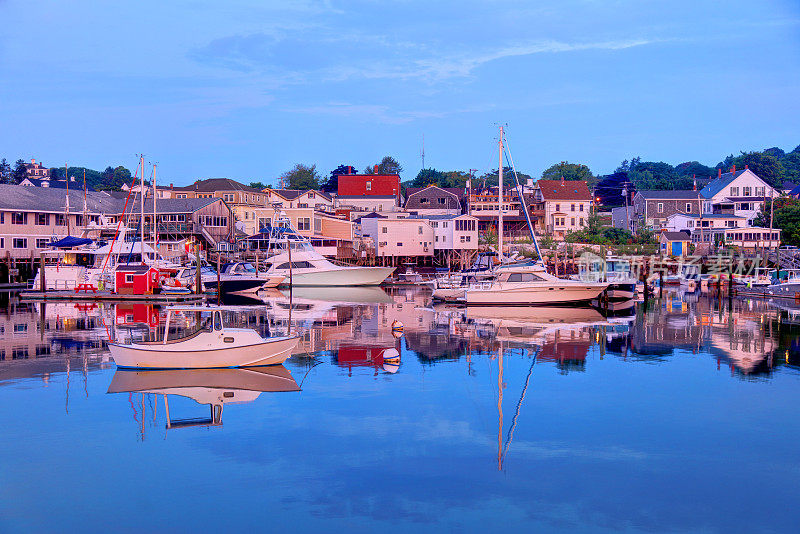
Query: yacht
x=616, y=271
x=787, y=284
x=308, y=267
x=236, y=278
x=531, y=284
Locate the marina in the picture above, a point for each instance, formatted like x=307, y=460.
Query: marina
x=528, y=402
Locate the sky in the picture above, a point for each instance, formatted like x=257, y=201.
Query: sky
x=246, y=89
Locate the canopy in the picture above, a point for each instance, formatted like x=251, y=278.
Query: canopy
x=70, y=241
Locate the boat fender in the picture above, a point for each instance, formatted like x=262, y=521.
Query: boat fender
x=397, y=326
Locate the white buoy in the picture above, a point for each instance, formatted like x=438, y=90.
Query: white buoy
x=397, y=327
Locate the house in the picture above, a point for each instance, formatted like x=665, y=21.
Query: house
x=433, y=200
x=623, y=220
x=36, y=170
x=753, y=239
x=397, y=237
x=453, y=232
x=359, y=185
x=674, y=243
x=327, y=232
x=704, y=228
x=32, y=217
x=132, y=279
x=740, y=193
x=652, y=207
x=484, y=205
x=567, y=204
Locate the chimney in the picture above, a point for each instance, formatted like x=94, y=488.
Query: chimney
x=746, y=167
x=171, y=186
x=376, y=169
x=733, y=169
x=719, y=173
x=349, y=169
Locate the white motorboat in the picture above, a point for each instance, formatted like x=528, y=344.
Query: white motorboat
x=207, y=344
x=760, y=277
x=310, y=268
x=238, y=278
x=787, y=284
x=616, y=271
x=531, y=284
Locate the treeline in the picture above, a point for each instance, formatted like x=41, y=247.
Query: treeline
x=303, y=176
x=111, y=179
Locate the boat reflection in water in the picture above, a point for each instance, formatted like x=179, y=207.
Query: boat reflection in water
x=213, y=387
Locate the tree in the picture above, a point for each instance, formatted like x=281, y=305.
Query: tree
x=427, y=177
x=569, y=171
x=302, y=177
x=388, y=165
x=508, y=178
x=5, y=172
x=331, y=185
x=767, y=167
x=786, y=217
x=20, y=171
x=257, y=185
x=690, y=169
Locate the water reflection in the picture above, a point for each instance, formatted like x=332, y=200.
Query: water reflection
x=212, y=387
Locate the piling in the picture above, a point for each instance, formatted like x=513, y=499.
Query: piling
x=198, y=281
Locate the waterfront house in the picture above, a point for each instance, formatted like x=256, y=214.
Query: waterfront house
x=455, y=238
x=567, y=205
x=32, y=217
x=652, y=207
x=331, y=235
x=753, y=239
x=366, y=185
x=298, y=198
x=484, y=205
x=399, y=236
x=433, y=200
x=740, y=193
x=674, y=243
x=367, y=203
x=36, y=170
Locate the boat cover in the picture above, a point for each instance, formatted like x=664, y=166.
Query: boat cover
x=70, y=241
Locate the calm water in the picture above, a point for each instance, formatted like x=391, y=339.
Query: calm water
x=681, y=417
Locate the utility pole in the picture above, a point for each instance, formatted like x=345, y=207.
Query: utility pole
x=771, y=218
x=627, y=217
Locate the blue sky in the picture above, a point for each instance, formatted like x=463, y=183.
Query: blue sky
x=245, y=89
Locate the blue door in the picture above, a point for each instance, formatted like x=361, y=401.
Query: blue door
x=677, y=248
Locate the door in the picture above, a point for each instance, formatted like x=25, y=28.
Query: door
x=677, y=248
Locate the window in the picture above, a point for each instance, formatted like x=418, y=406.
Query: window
x=558, y=207
x=423, y=201
x=42, y=242
x=246, y=197
x=20, y=242
x=304, y=223
x=442, y=200
x=384, y=230
x=400, y=244
x=689, y=224
x=180, y=195
x=463, y=240
x=734, y=191
x=42, y=219
x=2, y=242
x=2, y=217
x=469, y=238
x=310, y=194
x=227, y=197
x=19, y=217
x=444, y=239
x=302, y=205
x=419, y=230
x=444, y=224
x=296, y=265
x=437, y=239
x=524, y=277
x=688, y=207
x=572, y=208
x=760, y=191
x=369, y=186
x=746, y=191
x=580, y=207
x=572, y=221
x=60, y=219
x=128, y=278
x=660, y=207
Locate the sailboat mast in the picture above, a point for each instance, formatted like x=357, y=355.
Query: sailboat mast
x=500, y=200
x=66, y=207
x=141, y=194
x=155, y=223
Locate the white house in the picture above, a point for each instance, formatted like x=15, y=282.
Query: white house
x=395, y=237
x=740, y=193
x=454, y=232
x=299, y=198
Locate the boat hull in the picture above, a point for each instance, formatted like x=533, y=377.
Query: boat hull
x=272, y=351
x=236, y=285
x=527, y=295
x=346, y=276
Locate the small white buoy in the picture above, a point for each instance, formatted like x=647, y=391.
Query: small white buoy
x=397, y=326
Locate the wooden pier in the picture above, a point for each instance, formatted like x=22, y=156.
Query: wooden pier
x=69, y=294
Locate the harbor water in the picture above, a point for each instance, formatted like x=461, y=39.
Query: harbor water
x=674, y=415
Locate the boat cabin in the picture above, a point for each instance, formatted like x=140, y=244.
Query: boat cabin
x=135, y=279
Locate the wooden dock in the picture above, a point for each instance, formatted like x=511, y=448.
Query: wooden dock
x=69, y=294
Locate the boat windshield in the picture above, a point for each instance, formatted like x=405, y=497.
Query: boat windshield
x=185, y=325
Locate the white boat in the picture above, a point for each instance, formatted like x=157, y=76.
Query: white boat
x=760, y=277
x=531, y=284
x=616, y=271
x=238, y=278
x=310, y=268
x=208, y=344
x=787, y=285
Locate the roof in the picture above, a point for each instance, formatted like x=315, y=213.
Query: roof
x=457, y=191
x=676, y=236
x=746, y=199
x=291, y=194
x=46, y=199
x=217, y=184
x=443, y=217
x=669, y=194
x=416, y=195
x=170, y=205
x=564, y=190
x=720, y=183
x=366, y=197
x=56, y=184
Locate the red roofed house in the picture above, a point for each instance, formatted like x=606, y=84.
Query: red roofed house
x=359, y=185
x=567, y=205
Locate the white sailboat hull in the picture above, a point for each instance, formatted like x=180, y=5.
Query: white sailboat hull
x=204, y=352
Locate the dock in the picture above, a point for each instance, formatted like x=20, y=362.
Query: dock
x=68, y=294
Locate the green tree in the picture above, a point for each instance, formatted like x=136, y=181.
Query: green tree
x=694, y=168
x=20, y=172
x=302, y=177
x=569, y=171
x=791, y=166
x=508, y=178
x=388, y=165
x=767, y=167
x=786, y=217
x=257, y=185
x=5, y=172
x=426, y=177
